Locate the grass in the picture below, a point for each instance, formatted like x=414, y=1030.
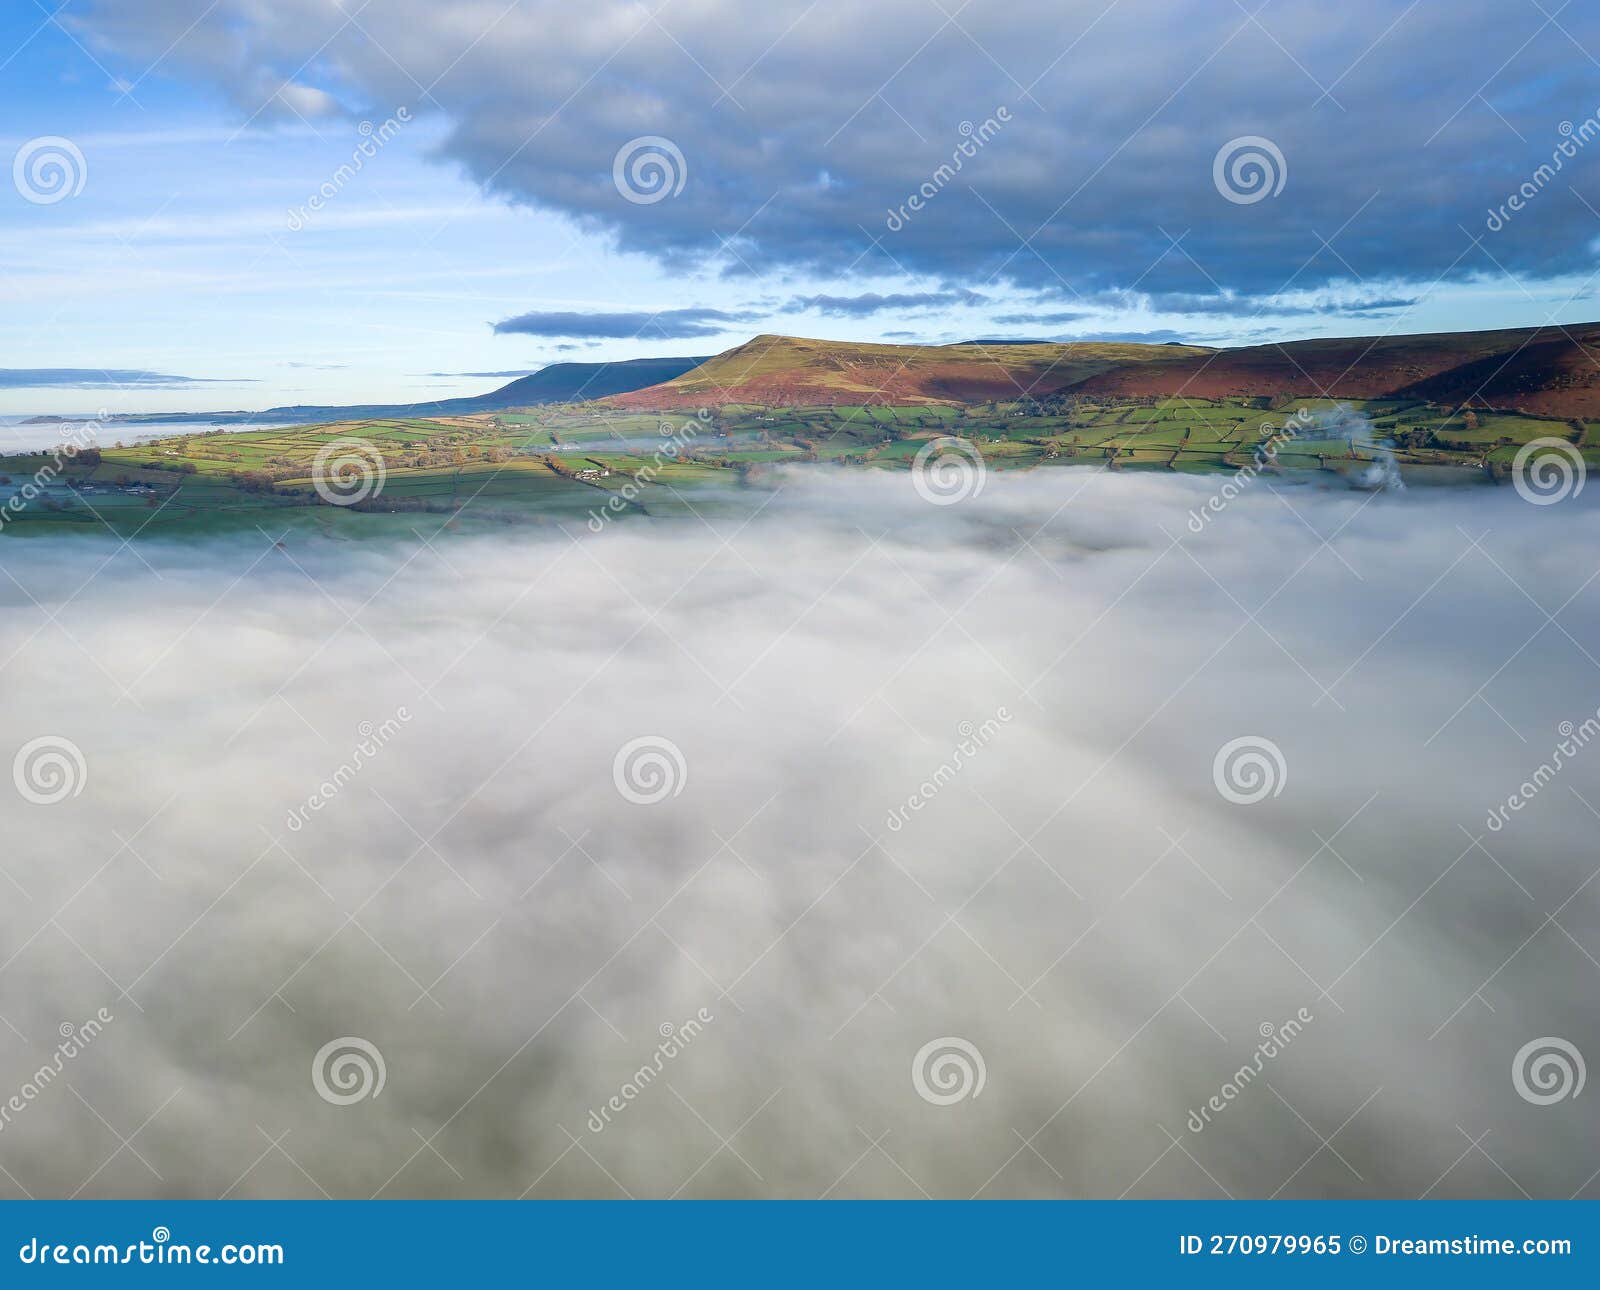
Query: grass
x=849, y=376
x=523, y=467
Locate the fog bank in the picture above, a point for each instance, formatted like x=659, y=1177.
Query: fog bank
x=761, y=842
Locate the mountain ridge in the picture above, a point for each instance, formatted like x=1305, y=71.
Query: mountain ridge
x=555, y=383
x=1551, y=371
x=801, y=370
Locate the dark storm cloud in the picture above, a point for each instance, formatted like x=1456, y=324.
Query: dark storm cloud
x=668, y=324
x=97, y=378
x=800, y=131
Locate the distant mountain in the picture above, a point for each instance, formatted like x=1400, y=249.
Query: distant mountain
x=558, y=383
x=576, y=382
x=794, y=370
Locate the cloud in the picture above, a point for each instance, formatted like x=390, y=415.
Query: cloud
x=833, y=120
x=510, y=373
x=305, y=102
x=1072, y=896
x=668, y=324
x=1336, y=300
x=94, y=378
x=872, y=302
x=1047, y=318
x=1340, y=299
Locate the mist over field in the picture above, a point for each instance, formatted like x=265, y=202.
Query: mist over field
x=924, y=773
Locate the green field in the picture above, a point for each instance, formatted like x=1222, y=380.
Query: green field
x=566, y=464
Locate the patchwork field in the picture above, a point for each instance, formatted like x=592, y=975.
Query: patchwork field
x=576, y=464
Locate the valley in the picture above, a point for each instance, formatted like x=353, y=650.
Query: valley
x=731, y=424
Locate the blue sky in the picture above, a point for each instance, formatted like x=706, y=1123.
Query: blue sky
x=178, y=259
x=1093, y=210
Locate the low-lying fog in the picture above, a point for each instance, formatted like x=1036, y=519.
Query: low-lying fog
x=925, y=773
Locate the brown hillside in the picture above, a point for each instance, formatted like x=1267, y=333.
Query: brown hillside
x=793, y=371
x=1551, y=370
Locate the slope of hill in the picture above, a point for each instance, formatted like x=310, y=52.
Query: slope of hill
x=1548, y=371
x=579, y=382
x=1554, y=371
x=557, y=383
x=792, y=370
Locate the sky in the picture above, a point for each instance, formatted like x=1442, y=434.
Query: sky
x=325, y=201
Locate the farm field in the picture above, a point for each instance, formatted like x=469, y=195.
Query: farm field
x=566, y=464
